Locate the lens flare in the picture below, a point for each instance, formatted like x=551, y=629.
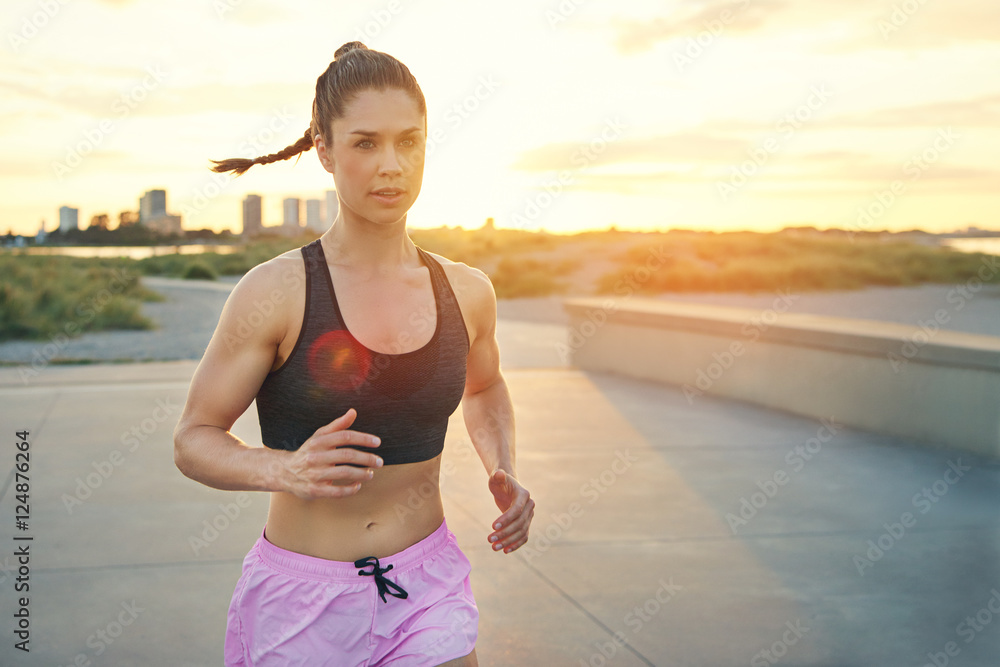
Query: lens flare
x=338, y=362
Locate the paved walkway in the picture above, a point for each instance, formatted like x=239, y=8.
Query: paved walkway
x=711, y=534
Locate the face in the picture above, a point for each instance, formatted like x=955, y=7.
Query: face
x=378, y=146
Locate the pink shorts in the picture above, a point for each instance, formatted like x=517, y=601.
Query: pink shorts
x=290, y=609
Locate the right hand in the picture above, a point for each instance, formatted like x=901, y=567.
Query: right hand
x=318, y=469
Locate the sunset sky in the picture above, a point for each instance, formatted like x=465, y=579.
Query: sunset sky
x=561, y=116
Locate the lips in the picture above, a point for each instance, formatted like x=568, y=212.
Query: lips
x=388, y=196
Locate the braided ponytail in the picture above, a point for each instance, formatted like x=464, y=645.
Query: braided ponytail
x=240, y=165
x=355, y=68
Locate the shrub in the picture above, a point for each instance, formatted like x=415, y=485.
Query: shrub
x=199, y=271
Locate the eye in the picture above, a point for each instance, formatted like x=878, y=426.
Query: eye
x=363, y=141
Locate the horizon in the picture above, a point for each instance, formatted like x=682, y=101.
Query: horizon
x=712, y=116
x=970, y=232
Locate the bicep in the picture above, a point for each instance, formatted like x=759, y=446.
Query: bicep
x=483, y=365
x=235, y=363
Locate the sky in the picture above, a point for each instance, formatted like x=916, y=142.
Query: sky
x=558, y=115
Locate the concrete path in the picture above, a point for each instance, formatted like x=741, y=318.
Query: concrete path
x=666, y=533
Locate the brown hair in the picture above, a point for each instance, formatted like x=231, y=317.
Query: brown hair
x=355, y=68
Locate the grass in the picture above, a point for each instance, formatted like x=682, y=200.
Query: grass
x=213, y=264
x=515, y=278
x=45, y=295
x=748, y=262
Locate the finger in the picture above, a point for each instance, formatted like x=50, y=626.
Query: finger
x=516, y=537
x=348, y=456
x=342, y=466
x=346, y=438
x=519, y=523
x=339, y=423
x=513, y=542
x=344, y=475
x=324, y=490
x=517, y=545
x=516, y=508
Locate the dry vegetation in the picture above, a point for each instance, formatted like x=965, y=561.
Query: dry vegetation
x=40, y=295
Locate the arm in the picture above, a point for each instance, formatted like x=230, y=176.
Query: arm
x=226, y=381
x=489, y=417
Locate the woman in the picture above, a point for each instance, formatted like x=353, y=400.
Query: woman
x=357, y=348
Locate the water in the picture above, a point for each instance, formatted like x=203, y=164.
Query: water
x=133, y=252
x=989, y=246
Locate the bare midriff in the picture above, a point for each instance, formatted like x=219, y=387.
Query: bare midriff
x=397, y=508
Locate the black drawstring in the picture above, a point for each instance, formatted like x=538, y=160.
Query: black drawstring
x=383, y=584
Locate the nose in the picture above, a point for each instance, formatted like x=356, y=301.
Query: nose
x=391, y=162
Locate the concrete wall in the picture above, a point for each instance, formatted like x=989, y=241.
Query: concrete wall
x=926, y=384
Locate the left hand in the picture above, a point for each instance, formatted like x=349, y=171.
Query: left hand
x=511, y=528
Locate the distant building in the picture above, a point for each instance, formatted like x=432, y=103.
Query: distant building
x=332, y=207
x=153, y=213
x=165, y=224
x=68, y=218
x=290, y=222
x=152, y=205
x=42, y=234
x=314, y=217
x=253, y=223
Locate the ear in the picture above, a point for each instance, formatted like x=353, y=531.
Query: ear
x=325, y=156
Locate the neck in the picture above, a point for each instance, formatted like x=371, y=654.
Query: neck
x=379, y=249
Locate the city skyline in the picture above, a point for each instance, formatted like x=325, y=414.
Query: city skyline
x=152, y=205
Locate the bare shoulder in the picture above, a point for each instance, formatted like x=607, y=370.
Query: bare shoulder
x=266, y=294
x=474, y=292
x=278, y=274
